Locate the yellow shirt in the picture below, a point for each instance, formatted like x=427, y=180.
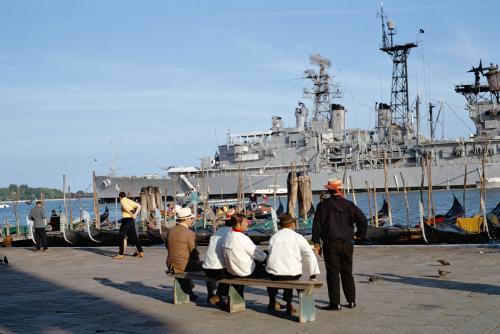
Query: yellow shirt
x=128, y=205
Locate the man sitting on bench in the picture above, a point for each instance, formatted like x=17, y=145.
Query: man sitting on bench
x=215, y=265
x=287, y=248
x=240, y=253
x=183, y=256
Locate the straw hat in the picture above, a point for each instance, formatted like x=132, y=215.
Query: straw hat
x=334, y=184
x=184, y=213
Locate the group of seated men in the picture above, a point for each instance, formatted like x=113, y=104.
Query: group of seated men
x=232, y=254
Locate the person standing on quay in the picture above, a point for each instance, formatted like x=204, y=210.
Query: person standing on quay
x=130, y=210
x=37, y=215
x=334, y=226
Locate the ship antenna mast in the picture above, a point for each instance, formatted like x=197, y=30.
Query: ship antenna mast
x=400, y=107
x=323, y=88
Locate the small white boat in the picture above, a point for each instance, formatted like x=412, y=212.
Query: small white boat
x=271, y=189
x=490, y=183
x=4, y=206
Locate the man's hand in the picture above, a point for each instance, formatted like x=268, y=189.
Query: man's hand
x=317, y=249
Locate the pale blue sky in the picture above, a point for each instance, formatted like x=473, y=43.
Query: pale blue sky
x=165, y=80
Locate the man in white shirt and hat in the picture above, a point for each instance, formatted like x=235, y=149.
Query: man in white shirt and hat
x=287, y=250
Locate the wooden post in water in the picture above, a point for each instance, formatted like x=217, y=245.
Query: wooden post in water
x=96, y=202
x=406, y=201
x=165, y=206
x=70, y=205
x=375, y=206
x=174, y=186
x=430, y=185
x=422, y=178
x=387, y=189
x=352, y=189
x=64, y=201
x=465, y=189
x=80, y=205
x=16, y=217
x=369, y=196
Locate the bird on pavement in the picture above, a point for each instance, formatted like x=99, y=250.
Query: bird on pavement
x=443, y=273
x=443, y=262
x=374, y=278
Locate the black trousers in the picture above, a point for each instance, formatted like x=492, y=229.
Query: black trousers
x=338, y=262
x=127, y=229
x=258, y=272
x=223, y=288
x=40, y=238
x=287, y=293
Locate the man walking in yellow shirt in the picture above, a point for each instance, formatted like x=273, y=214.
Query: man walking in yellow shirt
x=130, y=210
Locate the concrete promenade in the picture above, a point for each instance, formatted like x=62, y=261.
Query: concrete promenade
x=83, y=290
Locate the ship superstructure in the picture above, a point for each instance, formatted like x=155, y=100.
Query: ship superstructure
x=320, y=144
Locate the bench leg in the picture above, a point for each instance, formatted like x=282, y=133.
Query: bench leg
x=180, y=297
x=307, y=309
x=236, y=301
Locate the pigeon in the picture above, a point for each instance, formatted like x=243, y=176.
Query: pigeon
x=5, y=260
x=374, y=278
x=443, y=273
x=444, y=262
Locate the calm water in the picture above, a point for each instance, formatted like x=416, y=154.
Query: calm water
x=443, y=200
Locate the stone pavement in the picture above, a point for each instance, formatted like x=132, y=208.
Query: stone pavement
x=82, y=290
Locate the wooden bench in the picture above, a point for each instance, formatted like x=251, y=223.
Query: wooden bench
x=306, y=311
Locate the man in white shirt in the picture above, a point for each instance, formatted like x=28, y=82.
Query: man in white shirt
x=215, y=265
x=240, y=254
x=287, y=249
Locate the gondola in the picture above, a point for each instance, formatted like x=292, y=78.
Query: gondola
x=450, y=231
x=385, y=234
x=493, y=218
x=455, y=211
x=77, y=233
x=108, y=235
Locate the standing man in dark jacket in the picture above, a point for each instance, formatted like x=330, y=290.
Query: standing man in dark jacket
x=37, y=215
x=334, y=226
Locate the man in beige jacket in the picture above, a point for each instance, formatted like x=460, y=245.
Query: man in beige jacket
x=182, y=253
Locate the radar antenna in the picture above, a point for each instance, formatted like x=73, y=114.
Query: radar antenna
x=400, y=107
x=323, y=88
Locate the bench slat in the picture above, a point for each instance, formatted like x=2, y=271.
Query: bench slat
x=251, y=281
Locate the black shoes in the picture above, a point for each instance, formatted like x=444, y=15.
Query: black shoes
x=351, y=305
x=331, y=307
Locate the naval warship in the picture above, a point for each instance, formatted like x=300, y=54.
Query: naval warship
x=320, y=145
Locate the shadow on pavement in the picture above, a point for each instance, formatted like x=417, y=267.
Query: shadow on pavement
x=138, y=288
x=440, y=283
x=33, y=305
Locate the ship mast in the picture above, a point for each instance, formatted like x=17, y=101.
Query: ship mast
x=323, y=88
x=400, y=107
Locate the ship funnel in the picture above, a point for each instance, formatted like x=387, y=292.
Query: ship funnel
x=383, y=120
x=337, y=121
x=493, y=77
x=277, y=123
x=301, y=116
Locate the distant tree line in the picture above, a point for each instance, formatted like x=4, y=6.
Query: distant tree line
x=23, y=193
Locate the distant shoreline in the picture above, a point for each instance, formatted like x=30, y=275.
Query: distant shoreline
x=46, y=200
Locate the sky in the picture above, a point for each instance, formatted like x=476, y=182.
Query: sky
x=153, y=84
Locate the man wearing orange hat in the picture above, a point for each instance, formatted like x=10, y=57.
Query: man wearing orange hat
x=333, y=234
